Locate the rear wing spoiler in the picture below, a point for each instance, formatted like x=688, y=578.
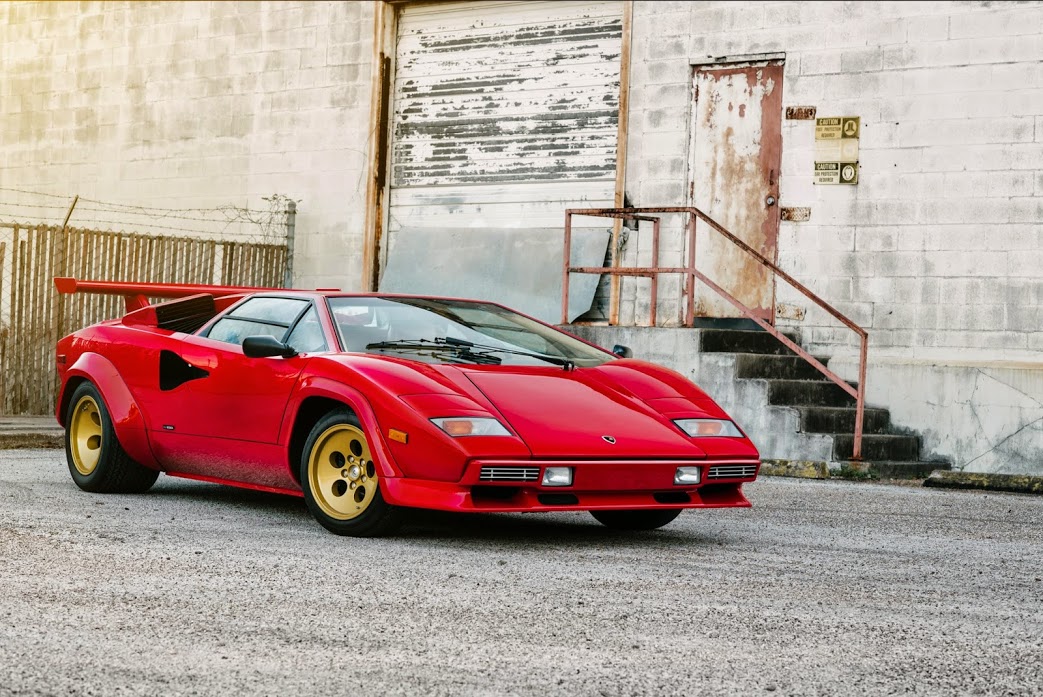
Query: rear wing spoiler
x=137, y=294
x=192, y=304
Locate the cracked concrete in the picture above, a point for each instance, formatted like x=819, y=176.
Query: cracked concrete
x=984, y=418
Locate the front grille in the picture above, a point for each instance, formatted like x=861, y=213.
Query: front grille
x=509, y=474
x=732, y=471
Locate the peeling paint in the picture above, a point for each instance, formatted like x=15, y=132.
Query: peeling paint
x=507, y=93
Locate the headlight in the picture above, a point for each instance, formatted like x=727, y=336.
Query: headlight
x=699, y=428
x=457, y=426
x=557, y=476
x=687, y=475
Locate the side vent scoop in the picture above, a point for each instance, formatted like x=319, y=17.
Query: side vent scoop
x=174, y=371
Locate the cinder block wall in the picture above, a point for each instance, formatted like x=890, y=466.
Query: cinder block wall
x=196, y=104
x=938, y=251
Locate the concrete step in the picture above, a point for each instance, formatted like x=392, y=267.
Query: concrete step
x=30, y=432
x=760, y=366
x=906, y=470
x=842, y=420
x=878, y=447
x=742, y=341
x=811, y=393
x=866, y=469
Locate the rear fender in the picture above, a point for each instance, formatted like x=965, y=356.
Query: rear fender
x=314, y=386
x=127, y=419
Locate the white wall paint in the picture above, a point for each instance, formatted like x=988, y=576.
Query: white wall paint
x=196, y=104
x=939, y=249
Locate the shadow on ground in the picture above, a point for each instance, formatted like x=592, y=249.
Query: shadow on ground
x=557, y=529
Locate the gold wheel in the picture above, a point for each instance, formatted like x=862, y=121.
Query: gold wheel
x=85, y=435
x=341, y=473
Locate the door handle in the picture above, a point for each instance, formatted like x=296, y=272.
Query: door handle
x=770, y=201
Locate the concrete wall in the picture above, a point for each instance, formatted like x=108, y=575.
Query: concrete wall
x=939, y=249
x=195, y=104
x=983, y=417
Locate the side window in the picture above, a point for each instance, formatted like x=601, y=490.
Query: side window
x=307, y=336
x=263, y=316
x=272, y=310
x=233, y=331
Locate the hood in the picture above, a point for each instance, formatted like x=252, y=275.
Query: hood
x=562, y=414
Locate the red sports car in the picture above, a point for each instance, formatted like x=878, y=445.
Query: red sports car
x=368, y=405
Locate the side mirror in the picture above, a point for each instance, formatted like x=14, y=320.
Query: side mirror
x=622, y=351
x=265, y=347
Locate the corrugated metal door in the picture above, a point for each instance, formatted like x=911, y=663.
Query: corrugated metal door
x=736, y=155
x=504, y=114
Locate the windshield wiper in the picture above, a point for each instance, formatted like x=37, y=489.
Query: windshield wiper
x=450, y=341
x=436, y=346
x=405, y=344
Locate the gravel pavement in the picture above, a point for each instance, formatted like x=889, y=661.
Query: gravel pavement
x=822, y=588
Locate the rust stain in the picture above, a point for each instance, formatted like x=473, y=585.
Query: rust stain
x=796, y=215
x=801, y=113
x=736, y=159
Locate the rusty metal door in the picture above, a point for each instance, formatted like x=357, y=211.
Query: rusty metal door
x=736, y=151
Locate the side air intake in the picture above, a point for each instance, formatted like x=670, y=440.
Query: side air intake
x=185, y=315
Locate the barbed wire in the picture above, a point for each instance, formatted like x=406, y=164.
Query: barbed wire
x=118, y=223
x=269, y=223
x=232, y=215
x=67, y=197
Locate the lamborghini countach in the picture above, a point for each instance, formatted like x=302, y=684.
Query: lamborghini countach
x=370, y=405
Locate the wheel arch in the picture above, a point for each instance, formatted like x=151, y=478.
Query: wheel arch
x=318, y=397
x=65, y=397
x=310, y=411
x=128, y=421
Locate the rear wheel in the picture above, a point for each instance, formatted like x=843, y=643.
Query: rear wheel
x=636, y=520
x=97, y=461
x=342, y=483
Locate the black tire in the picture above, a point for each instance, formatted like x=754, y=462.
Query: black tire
x=97, y=461
x=341, y=482
x=636, y=520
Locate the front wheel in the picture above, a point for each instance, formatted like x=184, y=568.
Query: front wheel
x=636, y=520
x=97, y=461
x=342, y=483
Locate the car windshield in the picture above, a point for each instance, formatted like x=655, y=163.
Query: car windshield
x=455, y=331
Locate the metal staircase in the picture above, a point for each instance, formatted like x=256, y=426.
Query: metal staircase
x=834, y=427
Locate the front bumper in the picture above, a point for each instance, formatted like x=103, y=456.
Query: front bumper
x=597, y=485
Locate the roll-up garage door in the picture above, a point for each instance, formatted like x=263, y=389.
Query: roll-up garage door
x=504, y=115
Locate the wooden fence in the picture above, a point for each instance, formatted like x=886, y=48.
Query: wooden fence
x=33, y=316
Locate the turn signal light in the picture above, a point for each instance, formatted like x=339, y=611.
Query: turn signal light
x=458, y=428
x=470, y=426
x=701, y=428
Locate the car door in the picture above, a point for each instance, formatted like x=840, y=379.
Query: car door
x=243, y=398
x=232, y=405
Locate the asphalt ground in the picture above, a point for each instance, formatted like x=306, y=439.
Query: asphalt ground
x=823, y=588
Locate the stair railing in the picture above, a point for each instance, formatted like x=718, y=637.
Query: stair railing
x=692, y=274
